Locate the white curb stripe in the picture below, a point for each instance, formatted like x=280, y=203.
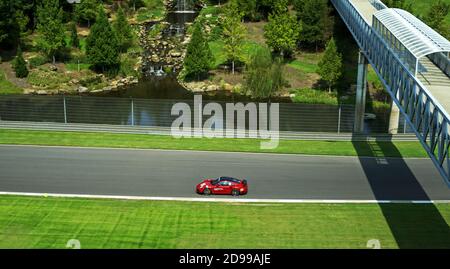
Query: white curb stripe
x=227, y=200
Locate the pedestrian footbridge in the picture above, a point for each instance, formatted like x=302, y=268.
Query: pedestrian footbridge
x=413, y=62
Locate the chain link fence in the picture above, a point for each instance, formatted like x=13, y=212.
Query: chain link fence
x=157, y=113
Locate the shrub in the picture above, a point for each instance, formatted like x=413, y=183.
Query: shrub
x=37, y=61
x=20, y=66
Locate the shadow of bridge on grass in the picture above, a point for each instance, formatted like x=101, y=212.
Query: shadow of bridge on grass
x=412, y=225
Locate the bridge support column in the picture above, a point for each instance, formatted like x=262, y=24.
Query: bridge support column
x=361, y=93
x=394, y=119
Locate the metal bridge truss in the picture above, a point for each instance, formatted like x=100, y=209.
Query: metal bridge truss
x=426, y=116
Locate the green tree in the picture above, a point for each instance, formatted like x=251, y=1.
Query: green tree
x=264, y=77
x=102, y=46
x=86, y=11
x=50, y=28
x=403, y=4
x=282, y=30
x=234, y=34
x=436, y=17
x=198, y=55
x=9, y=26
x=20, y=66
x=330, y=66
x=74, y=41
x=316, y=22
x=249, y=8
x=123, y=30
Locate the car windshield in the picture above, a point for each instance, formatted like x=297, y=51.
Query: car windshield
x=215, y=181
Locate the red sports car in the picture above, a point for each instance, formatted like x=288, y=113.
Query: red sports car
x=224, y=186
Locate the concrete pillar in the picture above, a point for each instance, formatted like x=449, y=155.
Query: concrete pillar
x=361, y=93
x=394, y=119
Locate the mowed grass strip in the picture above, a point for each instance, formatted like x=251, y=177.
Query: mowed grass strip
x=34, y=222
x=339, y=148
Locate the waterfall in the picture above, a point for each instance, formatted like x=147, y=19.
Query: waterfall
x=157, y=71
x=183, y=6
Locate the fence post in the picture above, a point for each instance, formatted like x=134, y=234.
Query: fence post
x=132, y=112
x=65, y=109
x=339, y=120
x=404, y=126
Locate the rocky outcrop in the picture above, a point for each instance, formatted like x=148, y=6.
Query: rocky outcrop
x=209, y=87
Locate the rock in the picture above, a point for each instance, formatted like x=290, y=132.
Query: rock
x=196, y=86
x=42, y=92
x=212, y=88
x=292, y=95
x=176, y=54
x=155, y=58
x=53, y=68
x=106, y=89
x=74, y=81
x=29, y=91
x=228, y=87
x=82, y=89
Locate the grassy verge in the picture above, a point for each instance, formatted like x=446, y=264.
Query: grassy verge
x=33, y=222
x=51, y=138
x=313, y=96
x=6, y=87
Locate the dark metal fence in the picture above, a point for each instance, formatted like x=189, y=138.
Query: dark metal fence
x=157, y=113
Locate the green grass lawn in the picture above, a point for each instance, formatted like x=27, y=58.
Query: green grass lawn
x=217, y=48
x=7, y=87
x=305, y=67
x=34, y=222
x=421, y=7
x=51, y=138
x=313, y=96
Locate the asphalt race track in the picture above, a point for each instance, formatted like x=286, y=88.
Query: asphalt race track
x=175, y=173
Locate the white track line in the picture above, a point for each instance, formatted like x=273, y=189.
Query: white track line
x=226, y=200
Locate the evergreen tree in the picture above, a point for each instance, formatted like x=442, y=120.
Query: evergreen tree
x=330, y=66
x=50, y=28
x=282, y=30
x=436, y=17
x=198, y=56
x=102, y=46
x=264, y=77
x=234, y=34
x=86, y=11
x=20, y=66
x=403, y=4
x=74, y=41
x=15, y=16
x=123, y=30
x=9, y=28
x=314, y=16
x=249, y=8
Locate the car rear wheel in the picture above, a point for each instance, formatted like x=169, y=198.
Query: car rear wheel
x=207, y=191
x=235, y=192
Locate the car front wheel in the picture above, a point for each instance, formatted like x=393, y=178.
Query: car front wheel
x=235, y=193
x=207, y=191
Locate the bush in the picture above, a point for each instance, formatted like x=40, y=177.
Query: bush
x=312, y=96
x=37, y=61
x=20, y=66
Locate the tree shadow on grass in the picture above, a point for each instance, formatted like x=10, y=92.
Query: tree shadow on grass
x=412, y=225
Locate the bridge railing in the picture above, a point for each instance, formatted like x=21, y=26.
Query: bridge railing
x=378, y=4
x=426, y=116
x=442, y=61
